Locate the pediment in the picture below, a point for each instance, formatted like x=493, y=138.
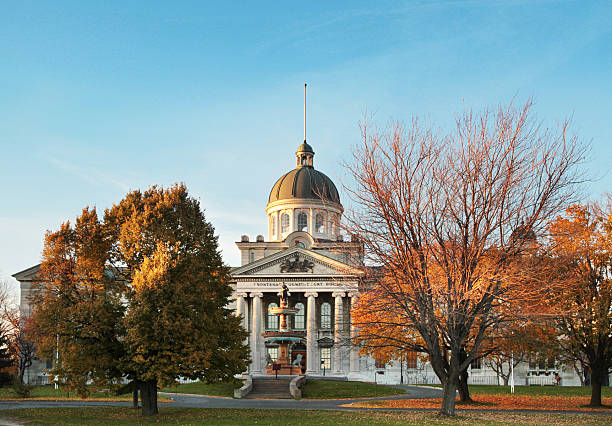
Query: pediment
x=296, y=261
x=27, y=274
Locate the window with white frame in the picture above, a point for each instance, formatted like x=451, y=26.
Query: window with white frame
x=326, y=358
x=284, y=222
x=273, y=352
x=298, y=319
x=325, y=316
x=319, y=223
x=302, y=220
x=332, y=224
x=272, y=319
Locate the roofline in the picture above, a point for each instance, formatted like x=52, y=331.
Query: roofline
x=30, y=269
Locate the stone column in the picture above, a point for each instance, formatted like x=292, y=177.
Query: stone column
x=312, y=359
x=256, y=346
x=354, y=357
x=241, y=309
x=338, y=320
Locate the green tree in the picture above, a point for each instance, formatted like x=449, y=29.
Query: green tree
x=141, y=296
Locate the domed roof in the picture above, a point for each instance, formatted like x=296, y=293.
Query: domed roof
x=304, y=182
x=305, y=147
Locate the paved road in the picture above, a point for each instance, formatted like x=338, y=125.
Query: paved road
x=182, y=400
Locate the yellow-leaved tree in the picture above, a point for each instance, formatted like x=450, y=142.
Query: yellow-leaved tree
x=141, y=295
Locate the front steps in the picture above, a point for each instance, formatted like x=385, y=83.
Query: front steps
x=270, y=388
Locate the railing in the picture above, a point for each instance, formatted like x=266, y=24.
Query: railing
x=540, y=380
x=421, y=380
x=483, y=380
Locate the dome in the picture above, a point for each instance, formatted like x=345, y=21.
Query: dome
x=304, y=183
x=304, y=147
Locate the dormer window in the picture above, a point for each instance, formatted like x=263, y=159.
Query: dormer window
x=319, y=223
x=302, y=222
x=284, y=223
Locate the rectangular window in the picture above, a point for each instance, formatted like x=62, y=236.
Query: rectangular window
x=326, y=358
x=476, y=364
x=378, y=363
x=532, y=364
x=326, y=314
x=298, y=319
x=273, y=352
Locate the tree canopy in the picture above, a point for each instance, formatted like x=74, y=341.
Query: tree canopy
x=447, y=219
x=581, y=250
x=141, y=295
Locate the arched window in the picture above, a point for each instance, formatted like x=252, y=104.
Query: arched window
x=272, y=319
x=319, y=223
x=332, y=224
x=325, y=316
x=302, y=222
x=300, y=244
x=284, y=222
x=298, y=319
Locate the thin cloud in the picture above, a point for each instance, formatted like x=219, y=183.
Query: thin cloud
x=88, y=175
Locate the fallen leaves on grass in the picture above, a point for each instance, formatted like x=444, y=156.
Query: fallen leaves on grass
x=499, y=402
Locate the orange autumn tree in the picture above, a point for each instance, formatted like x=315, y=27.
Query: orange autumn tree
x=141, y=296
x=444, y=217
x=581, y=249
x=383, y=336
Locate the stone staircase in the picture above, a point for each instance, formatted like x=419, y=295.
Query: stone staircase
x=270, y=388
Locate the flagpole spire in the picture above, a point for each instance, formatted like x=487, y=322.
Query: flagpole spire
x=304, y=112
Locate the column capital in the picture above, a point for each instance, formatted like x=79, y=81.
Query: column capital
x=339, y=294
x=311, y=294
x=239, y=295
x=256, y=294
x=353, y=295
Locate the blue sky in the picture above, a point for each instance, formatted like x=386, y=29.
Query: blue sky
x=97, y=98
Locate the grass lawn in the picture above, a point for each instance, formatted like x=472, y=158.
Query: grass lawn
x=201, y=388
x=48, y=392
x=214, y=416
x=331, y=389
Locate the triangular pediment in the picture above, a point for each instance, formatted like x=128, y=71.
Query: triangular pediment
x=27, y=274
x=296, y=261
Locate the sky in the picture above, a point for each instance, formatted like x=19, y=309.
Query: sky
x=100, y=98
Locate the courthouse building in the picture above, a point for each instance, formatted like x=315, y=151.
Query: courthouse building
x=304, y=249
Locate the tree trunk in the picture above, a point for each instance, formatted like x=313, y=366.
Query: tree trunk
x=135, y=397
x=462, y=384
x=506, y=379
x=148, y=395
x=596, y=381
x=448, y=400
x=462, y=387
